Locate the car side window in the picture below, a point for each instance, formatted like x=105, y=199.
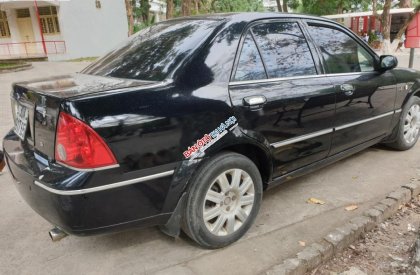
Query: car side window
x=341, y=53
x=284, y=49
x=250, y=66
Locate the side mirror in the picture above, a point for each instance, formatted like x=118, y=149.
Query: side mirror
x=387, y=62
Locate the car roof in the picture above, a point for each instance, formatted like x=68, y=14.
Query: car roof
x=252, y=16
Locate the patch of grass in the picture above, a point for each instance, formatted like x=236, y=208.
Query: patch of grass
x=6, y=65
x=83, y=59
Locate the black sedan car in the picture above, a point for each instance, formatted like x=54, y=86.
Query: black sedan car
x=185, y=124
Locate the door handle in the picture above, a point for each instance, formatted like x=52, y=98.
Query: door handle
x=348, y=89
x=254, y=101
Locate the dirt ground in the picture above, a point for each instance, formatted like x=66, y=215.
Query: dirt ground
x=388, y=249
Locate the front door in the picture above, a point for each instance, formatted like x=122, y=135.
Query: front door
x=280, y=98
x=26, y=31
x=365, y=97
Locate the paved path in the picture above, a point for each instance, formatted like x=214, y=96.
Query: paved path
x=284, y=220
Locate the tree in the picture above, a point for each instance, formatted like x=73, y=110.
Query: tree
x=405, y=26
x=197, y=6
x=130, y=18
x=385, y=19
x=145, y=11
x=279, y=7
x=285, y=6
x=186, y=7
x=404, y=4
x=169, y=9
x=236, y=5
x=323, y=7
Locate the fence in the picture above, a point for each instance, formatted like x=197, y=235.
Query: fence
x=28, y=49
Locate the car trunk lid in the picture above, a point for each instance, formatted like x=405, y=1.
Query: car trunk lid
x=36, y=104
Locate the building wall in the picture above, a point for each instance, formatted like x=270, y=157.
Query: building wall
x=15, y=36
x=91, y=31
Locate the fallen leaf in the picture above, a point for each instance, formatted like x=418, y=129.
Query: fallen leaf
x=351, y=207
x=411, y=228
x=355, y=177
x=302, y=243
x=315, y=201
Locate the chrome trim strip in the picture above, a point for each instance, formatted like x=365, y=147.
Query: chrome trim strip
x=90, y=169
x=104, y=187
x=301, y=138
x=327, y=131
x=128, y=89
x=245, y=82
x=363, y=121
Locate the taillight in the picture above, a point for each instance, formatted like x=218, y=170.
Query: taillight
x=79, y=146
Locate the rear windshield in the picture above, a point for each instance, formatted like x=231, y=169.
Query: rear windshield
x=153, y=53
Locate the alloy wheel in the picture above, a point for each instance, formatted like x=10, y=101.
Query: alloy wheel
x=412, y=124
x=228, y=202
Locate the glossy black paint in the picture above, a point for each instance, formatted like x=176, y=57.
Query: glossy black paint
x=149, y=124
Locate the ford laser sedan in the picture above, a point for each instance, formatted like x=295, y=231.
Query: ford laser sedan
x=185, y=124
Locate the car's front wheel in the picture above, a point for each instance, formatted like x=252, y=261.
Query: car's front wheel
x=409, y=126
x=223, y=200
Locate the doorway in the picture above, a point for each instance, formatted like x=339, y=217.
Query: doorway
x=24, y=23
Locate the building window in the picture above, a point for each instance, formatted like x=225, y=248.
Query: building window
x=49, y=20
x=23, y=13
x=4, y=26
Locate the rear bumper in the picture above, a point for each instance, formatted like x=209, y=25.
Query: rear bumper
x=89, y=202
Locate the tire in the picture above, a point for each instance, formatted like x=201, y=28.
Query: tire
x=408, y=126
x=230, y=208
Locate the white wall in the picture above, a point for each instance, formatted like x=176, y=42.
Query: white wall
x=15, y=36
x=89, y=31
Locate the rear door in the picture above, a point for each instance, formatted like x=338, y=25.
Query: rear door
x=365, y=97
x=280, y=96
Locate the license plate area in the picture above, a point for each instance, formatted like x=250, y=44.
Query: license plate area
x=21, y=120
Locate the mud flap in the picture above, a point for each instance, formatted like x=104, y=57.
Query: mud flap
x=173, y=227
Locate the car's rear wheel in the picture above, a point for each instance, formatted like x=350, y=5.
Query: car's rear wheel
x=223, y=200
x=409, y=126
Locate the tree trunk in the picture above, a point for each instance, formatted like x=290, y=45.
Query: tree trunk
x=386, y=26
x=169, y=9
x=197, y=6
x=405, y=4
x=186, y=7
x=385, y=19
x=340, y=7
x=213, y=5
x=279, y=8
x=145, y=7
x=285, y=9
x=130, y=18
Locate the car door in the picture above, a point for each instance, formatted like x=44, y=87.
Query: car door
x=280, y=97
x=365, y=97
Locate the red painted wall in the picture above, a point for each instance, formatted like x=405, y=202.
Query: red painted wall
x=413, y=33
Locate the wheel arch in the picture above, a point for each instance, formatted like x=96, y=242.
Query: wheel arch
x=256, y=153
x=416, y=93
x=259, y=156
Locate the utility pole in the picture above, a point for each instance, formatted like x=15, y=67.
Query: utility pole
x=411, y=62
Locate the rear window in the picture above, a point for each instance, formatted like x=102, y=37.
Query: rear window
x=153, y=53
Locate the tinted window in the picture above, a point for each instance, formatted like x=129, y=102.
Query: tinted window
x=155, y=52
x=250, y=66
x=284, y=49
x=341, y=53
